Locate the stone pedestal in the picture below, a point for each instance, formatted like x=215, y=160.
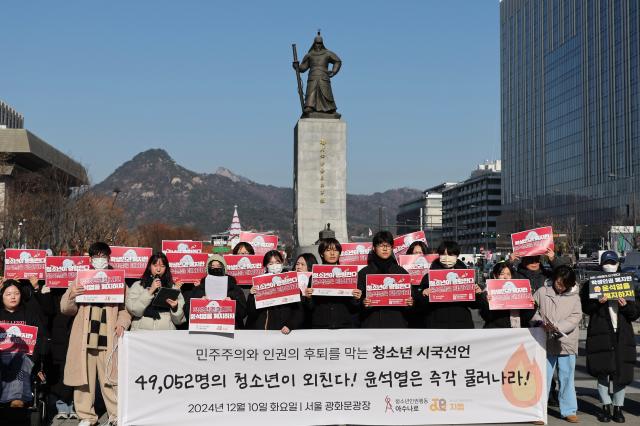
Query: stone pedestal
x=319, y=180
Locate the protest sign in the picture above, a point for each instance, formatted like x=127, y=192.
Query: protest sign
x=188, y=267
x=417, y=265
x=216, y=287
x=355, y=253
x=261, y=243
x=509, y=294
x=613, y=286
x=17, y=338
x=334, y=280
x=181, y=246
x=401, y=243
x=101, y=286
x=452, y=285
x=243, y=267
x=212, y=316
x=533, y=242
x=388, y=289
x=133, y=260
x=303, y=280
x=61, y=270
x=22, y=264
x=377, y=377
x=276, y=289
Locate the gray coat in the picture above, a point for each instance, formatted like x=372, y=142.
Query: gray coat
x=565, y=312
x=137, y=300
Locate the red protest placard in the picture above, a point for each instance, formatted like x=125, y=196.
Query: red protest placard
x=402, y=242
x=24, y=263
x=388, y=289
x=261, y=243
x=276, y=289
x=334, y=280
x=533, y=242
x=303, y=280
x=60, y=270
x=17, y=338
x=212, y=316
x=417, y=265
x=132, y=259
x=452, y=285
x=181, y=246
x=243, y=267
x=355, y=253
x=188, y=267
x=509, y=294
x=101, y=286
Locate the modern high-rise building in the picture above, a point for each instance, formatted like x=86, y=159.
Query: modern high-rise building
x=570, y=112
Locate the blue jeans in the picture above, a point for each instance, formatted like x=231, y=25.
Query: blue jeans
x=603, y=391
x=567, y=390
x=63, y=407
x=15, y=377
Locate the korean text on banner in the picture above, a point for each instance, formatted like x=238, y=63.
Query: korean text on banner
x=188, y=267
x=402, y=242
x=276, y=289
x=22, y=264
x=17, y=338
x=334, y=280
x=61, y=270
x=261, y=243
x=244, y=267
x=613, y=286
x=355, y=253
x=132, y=259
x=452, y=285
x=101, y=286
x=181, y=246
x=388, y=289
x=533, y=242
x=212, y=316
x=391, y=377
x=509, y=294
x=417, y=265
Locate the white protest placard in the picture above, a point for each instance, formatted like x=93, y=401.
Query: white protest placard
x=216, y=287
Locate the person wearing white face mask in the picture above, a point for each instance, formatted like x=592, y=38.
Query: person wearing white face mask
x=450, y=315
x=285, y=317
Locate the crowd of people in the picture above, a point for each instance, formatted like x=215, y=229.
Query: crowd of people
x=77, y=342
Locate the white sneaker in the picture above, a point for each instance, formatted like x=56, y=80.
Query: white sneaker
x=61, y=416
x=85, y=423
x=73, y=416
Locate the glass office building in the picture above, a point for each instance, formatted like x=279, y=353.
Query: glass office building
x=570, y=117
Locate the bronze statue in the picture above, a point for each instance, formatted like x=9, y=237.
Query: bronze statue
x=318, y=102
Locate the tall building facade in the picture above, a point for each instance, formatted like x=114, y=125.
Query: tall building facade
x=570, y=113
x=10, y=118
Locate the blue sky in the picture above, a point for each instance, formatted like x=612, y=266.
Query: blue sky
x=212, y=83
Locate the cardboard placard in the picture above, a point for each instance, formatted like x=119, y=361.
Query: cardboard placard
x=181, y=246
x=18, y=338
x=61, y=270
x=388, y=289
x=452, y=285
x=532, y=242
x=417, y=265
x=243, y=267
x=402, y=242
x=212, y=316
x=101, y=286
x=355, y=253
x=276, y=289
x=261, y=243
x=334, y=280
x=188, y=267
x=133, y=260
x=22, y=264
x=614, y=286
x=509, y=294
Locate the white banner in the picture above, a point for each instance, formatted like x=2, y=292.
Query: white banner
x=320, y=377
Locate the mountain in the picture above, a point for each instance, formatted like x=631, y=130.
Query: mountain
x=154, y=188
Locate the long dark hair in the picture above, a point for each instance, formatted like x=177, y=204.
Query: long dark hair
x=415, y=244
x=309, y=259
x=272, y=253
x=6, y=285
x=166, y=279
x=499, y=267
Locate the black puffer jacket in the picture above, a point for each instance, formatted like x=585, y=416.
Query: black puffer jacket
x=450, y=315
x=331, y=311
x=501, y=318
x=290, y=315
x=538, y=278
x=233, y=291
x=610, y=353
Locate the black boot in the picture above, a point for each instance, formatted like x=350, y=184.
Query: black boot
x=618, y=417
x=604, y=416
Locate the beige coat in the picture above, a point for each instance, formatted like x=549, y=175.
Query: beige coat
x=138, y=299
x=565, y=311
x=75, y=369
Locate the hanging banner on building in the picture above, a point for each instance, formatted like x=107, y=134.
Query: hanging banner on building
x=212, y=316
x=243, y=267
x=401, y=243
x=388, y=289
x=509, y=294
x=276, y=289
x=181, y=246
x=417, y=265
x=22, y=264
x=133, y=260
x=188, y=267
x=533, y=242
x=334, y=280
x=101, y=286
x=17, y=338
x=303, y=280
x=355, y=253
x=261, y=243
x=61, y=270
x=452, y=285
x=613, y=286
x=381, y=377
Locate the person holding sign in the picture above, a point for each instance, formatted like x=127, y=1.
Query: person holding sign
x=92, y=345
x=17, y=365
x=285, y=317
x=611, y=346
x=155, y=301
x=331, y=312
x=503, y=318
x=382, y=261
x=530, y=267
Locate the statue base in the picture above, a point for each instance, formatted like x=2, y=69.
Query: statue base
x=314, y=114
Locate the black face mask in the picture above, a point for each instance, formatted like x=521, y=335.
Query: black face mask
x=218, y=272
